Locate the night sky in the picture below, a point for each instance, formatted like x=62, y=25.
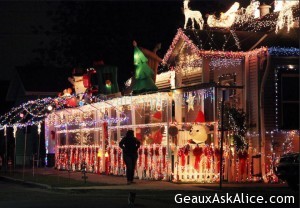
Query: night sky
x=117, y=23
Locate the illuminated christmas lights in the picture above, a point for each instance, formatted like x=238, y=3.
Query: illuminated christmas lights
x=224, y=63
x=208, y=54
x=278, y=51
x=192, y=15
x=226, y=19
x=285, y=17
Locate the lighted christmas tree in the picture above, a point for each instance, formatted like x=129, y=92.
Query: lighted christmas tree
x=144, y=75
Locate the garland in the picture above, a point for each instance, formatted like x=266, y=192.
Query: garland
x=140, y=156
x=182, y=153
x=146, y=158
x=164, y=152
x=197, y=151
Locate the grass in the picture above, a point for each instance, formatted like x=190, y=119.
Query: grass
x=54, y=180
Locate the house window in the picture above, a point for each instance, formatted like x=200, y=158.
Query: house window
x=288, y=89
x=228, y=80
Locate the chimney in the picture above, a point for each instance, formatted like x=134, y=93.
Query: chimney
x=264, y=9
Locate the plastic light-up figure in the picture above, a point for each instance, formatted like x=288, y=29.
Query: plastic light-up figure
x=193, y=15
x=285, y=16
x=77, y=82
x=226, y=19
x=250, y=12
x=278, y=5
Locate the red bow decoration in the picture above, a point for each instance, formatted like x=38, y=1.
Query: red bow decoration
x=208, y=152
x=108, y=153
x=115, y=156
x=92, y=157
x=164, y=152
x=73, y=156
x=187, y=149
x=151, y=152
x=197, y=151
x=77, y=155
x=182, y=152
x=140, y=156
x=146, y=157
x=181, y=156
x=156, y=151
x=157, y=137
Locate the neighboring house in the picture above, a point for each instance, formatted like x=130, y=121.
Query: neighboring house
x=5, y=106
x=31, y=83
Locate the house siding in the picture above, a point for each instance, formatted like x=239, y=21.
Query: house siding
x=253, y=90
x=270, y=102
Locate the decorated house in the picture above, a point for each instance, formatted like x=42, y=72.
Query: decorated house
x=246, y=65
x=225, y=100
x=255, y=63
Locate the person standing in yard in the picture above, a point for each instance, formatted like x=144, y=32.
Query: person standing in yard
x=130, y=145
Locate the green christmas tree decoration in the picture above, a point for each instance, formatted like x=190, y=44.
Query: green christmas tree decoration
x=144, y=75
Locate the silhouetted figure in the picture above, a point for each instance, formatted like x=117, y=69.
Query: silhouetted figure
x=129, y=144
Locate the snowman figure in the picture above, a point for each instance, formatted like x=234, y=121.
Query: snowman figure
x=77, y=82
x=198, y=134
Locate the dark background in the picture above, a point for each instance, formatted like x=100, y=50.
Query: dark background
x=70, y=34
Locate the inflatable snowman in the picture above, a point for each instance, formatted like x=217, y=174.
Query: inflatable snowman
x=198, y=134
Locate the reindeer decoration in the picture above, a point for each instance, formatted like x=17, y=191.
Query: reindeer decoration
x=193, y=15
x=226, y=19
x=251, y=11
x=285, y=16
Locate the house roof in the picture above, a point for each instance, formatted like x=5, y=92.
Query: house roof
x=282, y=39
x=220, y=42
x=5, y=105
x=265, y=24
x=241, y=37
x=223, y=40
x=228, y=42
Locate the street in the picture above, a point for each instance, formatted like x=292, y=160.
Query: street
x=20, y=196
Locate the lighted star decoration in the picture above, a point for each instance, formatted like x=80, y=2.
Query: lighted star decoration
x=190, y=102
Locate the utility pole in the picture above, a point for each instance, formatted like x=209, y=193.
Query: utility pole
x=222, y=137
x=5, y=155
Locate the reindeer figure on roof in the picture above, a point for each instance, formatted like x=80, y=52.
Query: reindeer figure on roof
x=193, y=15
x=226, y=19
x=285, y=16
x=252, y=11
